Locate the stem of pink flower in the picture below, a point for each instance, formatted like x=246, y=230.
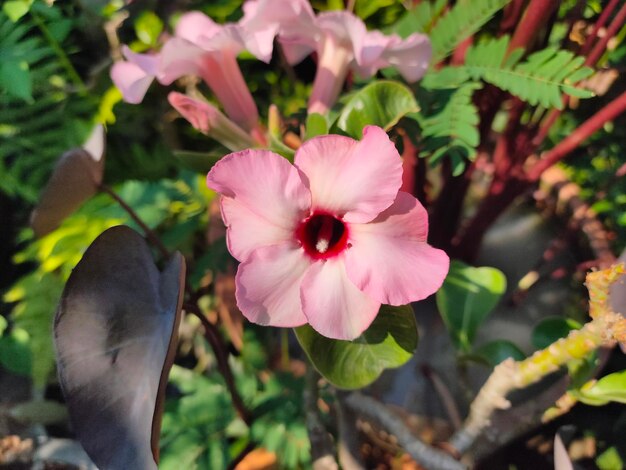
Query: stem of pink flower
x=222, y=74
x=332, y=69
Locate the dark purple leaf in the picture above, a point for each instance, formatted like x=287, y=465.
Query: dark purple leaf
x=75, y=179
x=115, y=334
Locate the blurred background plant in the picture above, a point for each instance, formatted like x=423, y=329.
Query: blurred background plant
x=54, y=87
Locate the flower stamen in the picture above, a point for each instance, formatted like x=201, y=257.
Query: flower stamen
x=322, y=235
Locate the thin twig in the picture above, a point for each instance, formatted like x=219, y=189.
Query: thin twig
x=322, y=454
x=214, y=339
x=447, y=400
x=600, y=47
x=150, y=235
x=242, y=455
x=422, y=453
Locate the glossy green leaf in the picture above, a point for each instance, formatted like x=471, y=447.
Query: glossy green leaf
x=316, y=124
x=551, y=329
x=389, y=342
x=495, y=352
x=609, y=388
x=467, y=297
x=382, y=103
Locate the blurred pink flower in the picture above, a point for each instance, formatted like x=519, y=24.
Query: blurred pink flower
x=328, y=240
x=204, y=48
x=207, y=119
x=342, y=43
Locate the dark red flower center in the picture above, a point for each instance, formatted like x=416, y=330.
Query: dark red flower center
x=322, y=235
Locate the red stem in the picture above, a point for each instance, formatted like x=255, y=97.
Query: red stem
x=614, y=27
x=536, y=16
x=602, y=19
x=573, y=140
x=590, y=61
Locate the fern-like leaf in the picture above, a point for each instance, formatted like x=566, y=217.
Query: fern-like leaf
x=419, y=19
x=55, y=119
x=449, y=129
x=539, y=80
x=463, y=20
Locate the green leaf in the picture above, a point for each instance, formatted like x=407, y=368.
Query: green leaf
x=3, y=324
x=389, y=342
x=15, y=78
x=461, y=21
x=366, y=8
x=419, y=19
x=539, y=80
x=316, y=124
x=467, y=297
x=148, y=27
x=609, y=388
x=495, y=352
x=551, y=329
x=449, y=126
x=15, y=352
x=15, y=9
x=382, y=103
x=610, y=460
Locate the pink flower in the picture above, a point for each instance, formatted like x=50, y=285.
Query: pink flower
x=207, y=119
x=342, y=43
x=328, y=240
x=199, y=47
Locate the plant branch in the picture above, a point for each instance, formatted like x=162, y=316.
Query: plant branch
x=322, y=454
x=578, y=136
x=422, y=453
x=617, y=24
x=602, y=19
x=150, y=235
x=214, y=339
x=605, y=328
x=535, y=17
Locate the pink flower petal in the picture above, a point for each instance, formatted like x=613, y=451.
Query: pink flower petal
x=410, y=56
x=179, y=57
x=268, y=285
x=270, y=198
x=389, y=258
x=131, y=80
x=343, y=26
x=206, y=118
x=260, y=42
x=332, y=304
x=200, y=114
x=149, y=63
x=353, y=179
x=264, y=19
x=248, y=230
x=195, y=26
